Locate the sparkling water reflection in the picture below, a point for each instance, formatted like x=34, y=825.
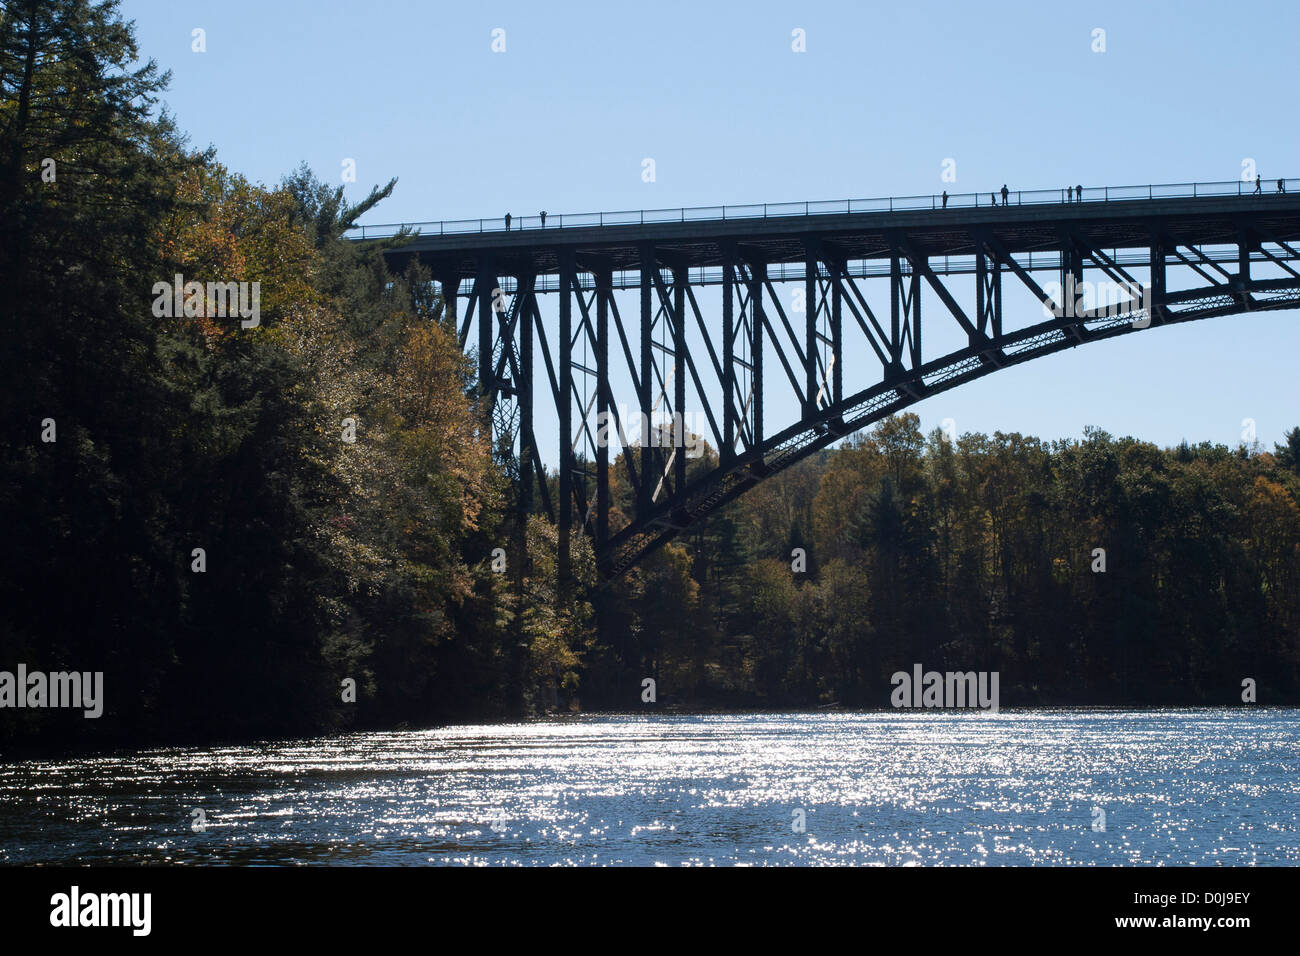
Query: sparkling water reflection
x=1185, y=787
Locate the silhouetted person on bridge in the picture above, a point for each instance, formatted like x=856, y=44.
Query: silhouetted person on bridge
x=993, y=197
x=1281, y=185
x=507, y=222
x=1005, y=193
x=945, y=199
x=543, y=214
x=1078, y=191
x=1259, y=184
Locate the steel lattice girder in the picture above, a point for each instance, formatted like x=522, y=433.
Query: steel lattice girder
x=1220, y=244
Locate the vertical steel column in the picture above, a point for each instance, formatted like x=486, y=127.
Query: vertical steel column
x=1072, y=278
x=1157, y=294
x=895, y=307
x=758, y=276
x=1246, y=241
x=604, y=289
x=837, y=336
x=648, y=477
x=564, y=513
x=524, y=390
x=525, y=307
x=988, y=292
x=680, y=277
x=916, y=318
x=996, y=318
x=728, y=450
x=811, y=346
x=449, y=283
x=904, y=313
x=487, y=282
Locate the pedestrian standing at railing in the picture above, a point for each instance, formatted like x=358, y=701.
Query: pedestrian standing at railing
x=993, y=198
x=1281, y=185
x=1069, y=194
x=945, y=199
x=543, y=215
x=1005, y=193
x=507, y=222
x=1078, y=191
x=1259, y=184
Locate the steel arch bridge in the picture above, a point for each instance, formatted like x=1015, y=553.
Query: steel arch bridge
x=858, y=272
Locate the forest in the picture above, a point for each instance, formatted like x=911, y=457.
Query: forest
x=232, y=521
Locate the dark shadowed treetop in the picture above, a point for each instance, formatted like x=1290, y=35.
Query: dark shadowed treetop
x=323, y=205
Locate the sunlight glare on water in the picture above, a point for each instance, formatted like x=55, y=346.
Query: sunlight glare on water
x=1177, y=787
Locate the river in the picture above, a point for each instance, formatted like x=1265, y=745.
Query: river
x=1199, y=787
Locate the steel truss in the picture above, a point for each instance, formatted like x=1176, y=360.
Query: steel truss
x=864, y=279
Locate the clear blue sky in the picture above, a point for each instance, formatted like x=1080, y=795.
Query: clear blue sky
x=1013, y=92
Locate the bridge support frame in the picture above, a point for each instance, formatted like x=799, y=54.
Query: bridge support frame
x=674, y=371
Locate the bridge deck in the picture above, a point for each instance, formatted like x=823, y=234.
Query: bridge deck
x=695, y=242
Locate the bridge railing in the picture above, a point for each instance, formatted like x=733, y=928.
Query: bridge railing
x=785, y=210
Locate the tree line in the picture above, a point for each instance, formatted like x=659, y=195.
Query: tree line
x=1100, y=570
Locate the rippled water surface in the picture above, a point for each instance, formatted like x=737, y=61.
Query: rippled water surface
x=1203, y=787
